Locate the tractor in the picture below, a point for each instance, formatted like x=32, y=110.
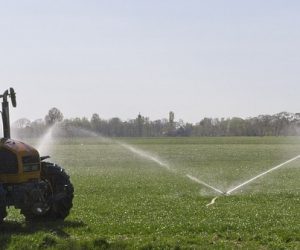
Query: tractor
x=40, y=189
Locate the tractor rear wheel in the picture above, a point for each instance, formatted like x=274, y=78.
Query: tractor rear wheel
x=59, y=197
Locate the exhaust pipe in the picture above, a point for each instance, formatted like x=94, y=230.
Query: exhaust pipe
x=5, y=111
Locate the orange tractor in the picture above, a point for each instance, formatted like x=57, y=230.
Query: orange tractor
x=40, y=189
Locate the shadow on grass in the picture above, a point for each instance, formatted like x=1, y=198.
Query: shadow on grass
x=13, y=228
x=53, y=231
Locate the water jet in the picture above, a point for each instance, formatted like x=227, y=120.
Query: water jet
x=204, y=184
x=260, y=175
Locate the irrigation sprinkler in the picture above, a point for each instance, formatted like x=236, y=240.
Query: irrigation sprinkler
x=229, y=192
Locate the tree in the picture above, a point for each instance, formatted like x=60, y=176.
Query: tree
x=54, y=116
x=22, y=123
x=236, y=127
x=96, y=122
x=140, y=123
x=115, y=127
x=206, y=127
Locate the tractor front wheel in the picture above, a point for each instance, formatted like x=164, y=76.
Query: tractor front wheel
x=3, y=213
x=62, y=190
x=59, y=196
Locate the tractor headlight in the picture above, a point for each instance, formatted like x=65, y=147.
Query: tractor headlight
x=31, y=163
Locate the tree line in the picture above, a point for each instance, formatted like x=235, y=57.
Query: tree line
x=281, y=124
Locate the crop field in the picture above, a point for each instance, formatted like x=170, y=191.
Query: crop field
x=135, y=194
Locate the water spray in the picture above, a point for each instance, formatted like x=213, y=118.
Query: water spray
x=155, y=159
x=260, y=175
x=205, y=184
x=208, y=186
x=229, y=192
x=42, y=145
x=144, y=154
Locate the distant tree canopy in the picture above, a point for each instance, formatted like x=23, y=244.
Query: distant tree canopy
x=22, y=123
x=54, y=115
x=281, y=124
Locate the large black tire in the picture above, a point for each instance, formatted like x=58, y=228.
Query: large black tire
x=60, y=195
x=3, y=213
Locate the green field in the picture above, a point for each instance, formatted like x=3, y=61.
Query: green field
x=125, y=201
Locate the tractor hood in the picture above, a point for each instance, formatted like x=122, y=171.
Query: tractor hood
x=18, y=147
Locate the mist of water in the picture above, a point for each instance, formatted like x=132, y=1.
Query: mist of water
x=45, y=142
x=204, y=184
x=43, y=145
x=79, y=132
x=144, y=154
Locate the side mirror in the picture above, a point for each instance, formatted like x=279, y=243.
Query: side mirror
x=12, y=94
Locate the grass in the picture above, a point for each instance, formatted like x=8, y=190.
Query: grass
x=123, y=201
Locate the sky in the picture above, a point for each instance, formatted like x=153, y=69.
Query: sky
x=119, y=58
